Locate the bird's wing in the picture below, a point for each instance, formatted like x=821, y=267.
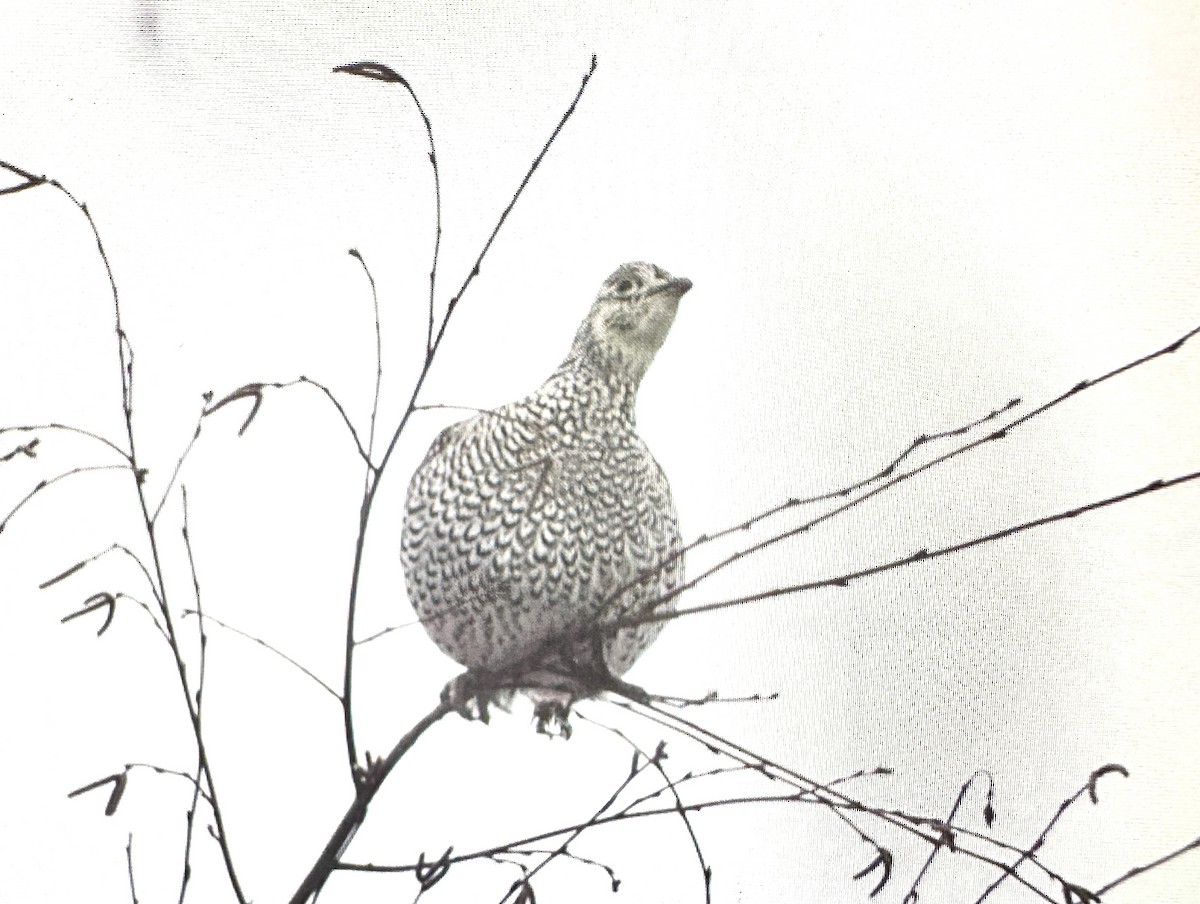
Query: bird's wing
x=473, y=496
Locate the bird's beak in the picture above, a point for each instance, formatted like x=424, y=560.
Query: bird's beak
x=677, y=286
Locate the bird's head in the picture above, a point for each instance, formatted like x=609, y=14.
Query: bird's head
x=629, y=320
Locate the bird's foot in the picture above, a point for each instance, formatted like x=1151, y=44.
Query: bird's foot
x=473, y=693
x=552, y=716
x=589, y=680
x=554, y=689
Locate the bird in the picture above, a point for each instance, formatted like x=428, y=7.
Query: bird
x=529, y=527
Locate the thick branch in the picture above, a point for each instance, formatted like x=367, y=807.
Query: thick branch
x=365, y=789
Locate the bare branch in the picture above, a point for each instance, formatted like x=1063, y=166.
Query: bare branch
x=378, y=71
x=593, y=820
x=262, y=643
x=842, y=492
x=65, y=428
x=883, y=859
x=512, y=203
x=187, y=450
x=367, y=784
x=29, y=450
x=996, y=435
x=31, y=181
x=824, y=794
x=946, y=840
x=163, y=770
x=673, y=788
x=83, y=563
x=126, y=360
x=46, y=484
x=255, y=391
x=844, y=580
x=1090, y=787
x=129, y=867
x=378, y=363
x=186, y=872
x=570, y=855
x=444, y=407
x=1138, y=870
x=149, y=611
x=384, y=73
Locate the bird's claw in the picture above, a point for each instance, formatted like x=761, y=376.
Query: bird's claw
x=472, y=694
x=552, y=718
x=553, y=689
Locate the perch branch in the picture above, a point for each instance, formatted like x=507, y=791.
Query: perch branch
x=366, y=787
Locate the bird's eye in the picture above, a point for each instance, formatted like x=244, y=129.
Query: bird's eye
x=624, y=286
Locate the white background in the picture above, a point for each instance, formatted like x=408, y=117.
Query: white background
x=897, y=217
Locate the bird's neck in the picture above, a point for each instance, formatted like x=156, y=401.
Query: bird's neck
x=599, y=391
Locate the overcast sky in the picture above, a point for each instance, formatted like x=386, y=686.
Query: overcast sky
x=897, y=217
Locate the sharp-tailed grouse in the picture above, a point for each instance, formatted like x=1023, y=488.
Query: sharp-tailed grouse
x=529, y=526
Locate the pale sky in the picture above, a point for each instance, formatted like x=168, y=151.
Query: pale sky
x=897, y=217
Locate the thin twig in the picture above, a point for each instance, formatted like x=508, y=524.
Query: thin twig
x=125, y=359
x=1028, y=854
x=262, y=643
x=178, y=467
x=129, y=868
x=28, y=449
x=378, y=366
x=570, y=855
x=31, y=181
x=437, y=214
x=512, y=203
x=487, y=853
x=149, y=611
x=673, y=787
x=842, y=492
x=347, y=695
x=255, y=391
x=191, y=811
x=29, y=428
x=1138, y=870
x=823, y=793
x=947, y=840
x=922, y=555
x=696, y=807
x=46, y=484
x=995, y=435
x=440, y=406
x=594, y=820
x=163, y=770
x=83, y=563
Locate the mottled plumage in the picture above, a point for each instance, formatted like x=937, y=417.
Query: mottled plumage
x=523, y=523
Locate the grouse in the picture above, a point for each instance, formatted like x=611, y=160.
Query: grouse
x=529, y=527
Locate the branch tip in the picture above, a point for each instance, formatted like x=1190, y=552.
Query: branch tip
x=1102, y=771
